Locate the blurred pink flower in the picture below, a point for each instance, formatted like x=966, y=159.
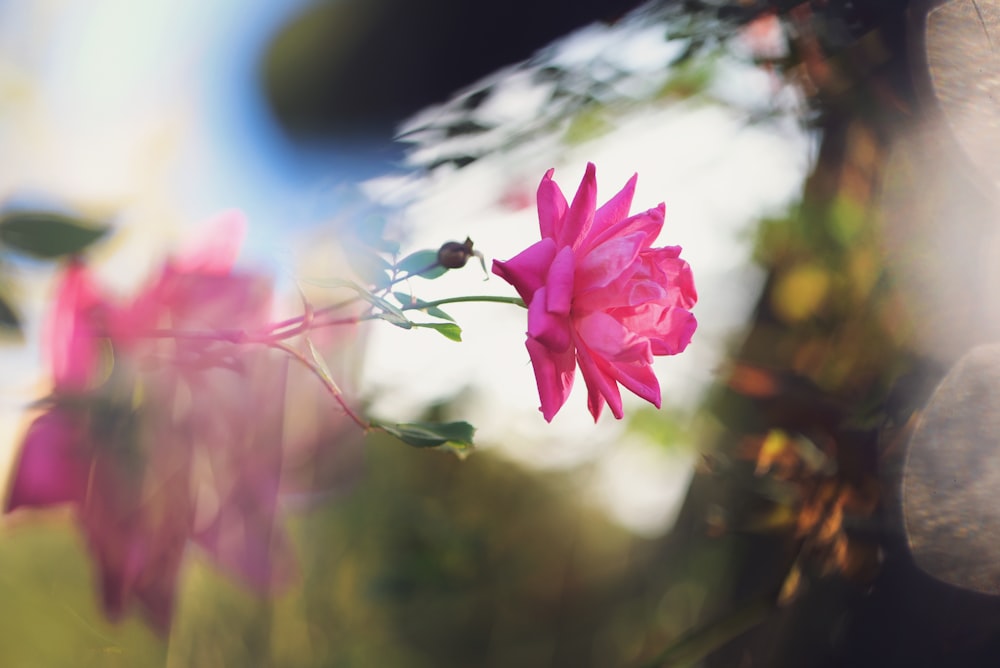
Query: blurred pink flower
x=599, y=296
x=165, y=428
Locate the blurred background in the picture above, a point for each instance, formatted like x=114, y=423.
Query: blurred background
x=828, y=169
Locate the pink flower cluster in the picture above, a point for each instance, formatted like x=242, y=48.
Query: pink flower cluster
x=160, y=432
x=600, y=296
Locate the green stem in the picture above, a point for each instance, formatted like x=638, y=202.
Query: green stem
x=516, y=301
x=310, y=321
x=297, y=321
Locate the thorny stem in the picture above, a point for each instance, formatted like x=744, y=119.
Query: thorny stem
x=298, y=320
x=327, y=381
x=311, y=321
x=274, y=335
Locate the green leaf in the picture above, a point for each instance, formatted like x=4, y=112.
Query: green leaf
x=393, y=319
x=390, y=312
x=47, y=235
x=410, y=302
x=422, y=263
x=320, y=363
x=448, y=330
x=369, y=265
x=455, y=436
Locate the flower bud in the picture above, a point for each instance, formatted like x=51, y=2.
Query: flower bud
x=454, y=255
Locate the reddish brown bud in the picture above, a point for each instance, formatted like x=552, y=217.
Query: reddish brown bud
x=454, y=255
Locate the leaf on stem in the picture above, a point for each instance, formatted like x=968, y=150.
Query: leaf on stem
x=410, y=302
x=454, y=436
x=422, y=263
x=389, y=311
x=47, y=235
x=321, y=366
x=371, y=267
x=448, y=330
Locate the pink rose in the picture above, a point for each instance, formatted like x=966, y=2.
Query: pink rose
x=599, y=296
x=161, y=438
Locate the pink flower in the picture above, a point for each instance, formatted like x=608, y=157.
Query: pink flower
x=170, y=438
x=599, y=296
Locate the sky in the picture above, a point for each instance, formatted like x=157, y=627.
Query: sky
x=149, y=112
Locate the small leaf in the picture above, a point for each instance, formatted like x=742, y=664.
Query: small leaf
x=321, y=365
x=394, y=319
x=456, y=436
x=448, y=330
x=410, y=302
x=371, y=267
x=390, y=312
x=422, y=263
x=47, y=235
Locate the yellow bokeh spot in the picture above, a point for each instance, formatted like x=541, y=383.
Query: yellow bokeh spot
x=799, y=292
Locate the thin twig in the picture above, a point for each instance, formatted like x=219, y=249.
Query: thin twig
x=327, y=381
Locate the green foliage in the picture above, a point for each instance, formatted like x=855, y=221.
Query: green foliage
x=670, y=429
x=448, y=330
x=410, y=302
x=370, y=266
x=50, y=614
x=47, y=235
x=590, y=123
x=431, y=562
x=457, y=436
x=689, y=78
x=422, y=263
x=386, y=310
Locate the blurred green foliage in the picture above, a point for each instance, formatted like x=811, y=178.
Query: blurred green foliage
x=39, y=234
x=47, y=235
x=50, y=615
x=430, y=561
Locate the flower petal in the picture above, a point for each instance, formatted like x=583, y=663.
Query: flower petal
x=136, y=529
x=610, y=340
x=71, y=335
x=246, y=538
x=639, y=379
x=580, y=215
x=601, y=386
x=612, y=260
x=676, y=331
x=619, y=354
x=527, y=270
x=559, y=282
x=613, y=211
x=664, y=266
x=550, y=330
x=53, y=467
x=648, y=223
x=551, y=207
x=216, y=251
x=554, y=373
